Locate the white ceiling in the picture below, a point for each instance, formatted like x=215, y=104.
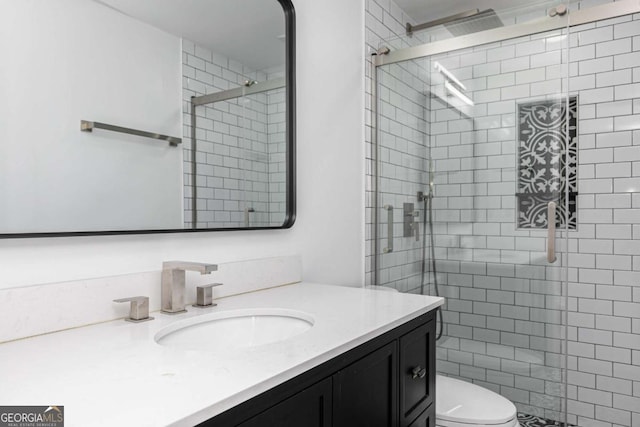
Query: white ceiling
x=249, y=31
x=428, y=10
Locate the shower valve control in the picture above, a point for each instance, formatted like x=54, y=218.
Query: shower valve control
x=411, y=227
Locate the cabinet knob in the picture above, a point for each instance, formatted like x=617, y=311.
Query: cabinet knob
x=418, y=372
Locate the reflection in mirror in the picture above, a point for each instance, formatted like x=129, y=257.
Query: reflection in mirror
x=239, y=160
x=214, y=76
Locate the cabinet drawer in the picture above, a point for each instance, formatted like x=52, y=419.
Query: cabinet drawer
x=417, y=372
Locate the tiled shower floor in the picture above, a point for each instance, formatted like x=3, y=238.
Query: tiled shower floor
x=533, y=421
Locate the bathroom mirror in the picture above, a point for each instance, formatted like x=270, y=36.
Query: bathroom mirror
x=146, y=116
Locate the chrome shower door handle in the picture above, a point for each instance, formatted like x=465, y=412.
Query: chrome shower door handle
x=389, y=247
x=551, y=232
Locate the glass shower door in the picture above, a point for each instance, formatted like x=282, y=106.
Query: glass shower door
x=403, y=172
x=476, y=149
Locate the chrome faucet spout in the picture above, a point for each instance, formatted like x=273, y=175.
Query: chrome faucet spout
x=200, y=267
x=173, y=283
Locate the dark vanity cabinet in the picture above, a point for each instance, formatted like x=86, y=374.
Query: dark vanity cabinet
x=310, y=408
x=386, y=382
x=365, y=393
x=417, y=373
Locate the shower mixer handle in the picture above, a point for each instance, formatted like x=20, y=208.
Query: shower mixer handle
x=410, y=226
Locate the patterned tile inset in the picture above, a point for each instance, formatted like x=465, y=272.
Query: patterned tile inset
x=527, y=420
x=547, y=162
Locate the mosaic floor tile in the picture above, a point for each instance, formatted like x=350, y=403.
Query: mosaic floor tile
x=533, y=421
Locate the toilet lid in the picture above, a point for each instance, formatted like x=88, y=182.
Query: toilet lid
x=464, y=402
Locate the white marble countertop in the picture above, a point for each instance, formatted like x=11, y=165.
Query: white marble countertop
x=114, y=373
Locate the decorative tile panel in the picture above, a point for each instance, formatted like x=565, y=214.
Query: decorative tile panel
x=547, y=162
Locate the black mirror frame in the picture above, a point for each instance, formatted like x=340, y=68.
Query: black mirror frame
x=290, y=215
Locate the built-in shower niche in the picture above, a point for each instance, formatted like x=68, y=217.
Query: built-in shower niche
x=547, y=162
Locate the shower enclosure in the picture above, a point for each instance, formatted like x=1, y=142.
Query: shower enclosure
x=248, y=187
x=474, y=188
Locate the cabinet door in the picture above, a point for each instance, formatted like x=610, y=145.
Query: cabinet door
x=365, y=393
x=426, y=419
x=417, y=372
x=309, y=408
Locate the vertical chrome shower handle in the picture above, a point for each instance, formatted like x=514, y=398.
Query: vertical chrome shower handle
x=551, y=232
x=389, y=247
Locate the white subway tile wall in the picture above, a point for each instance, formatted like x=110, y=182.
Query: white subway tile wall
x=241, y=144
x=505, y=310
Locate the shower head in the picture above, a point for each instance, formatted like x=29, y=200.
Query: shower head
x=485, y=20
x=463, y=23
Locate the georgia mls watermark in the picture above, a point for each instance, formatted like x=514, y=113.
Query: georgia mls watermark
x=31, y=416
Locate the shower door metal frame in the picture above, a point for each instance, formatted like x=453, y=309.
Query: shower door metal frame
x=375, y=155
x=239, y=92
x=578, y=17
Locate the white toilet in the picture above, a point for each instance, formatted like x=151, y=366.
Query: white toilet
x=462, y=404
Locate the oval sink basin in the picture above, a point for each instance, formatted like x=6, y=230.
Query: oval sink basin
x=236, y=329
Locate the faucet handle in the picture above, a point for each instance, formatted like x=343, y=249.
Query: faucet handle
x=139, y=309
x=204, y=295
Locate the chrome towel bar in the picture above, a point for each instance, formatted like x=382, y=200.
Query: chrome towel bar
x=87, y=126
